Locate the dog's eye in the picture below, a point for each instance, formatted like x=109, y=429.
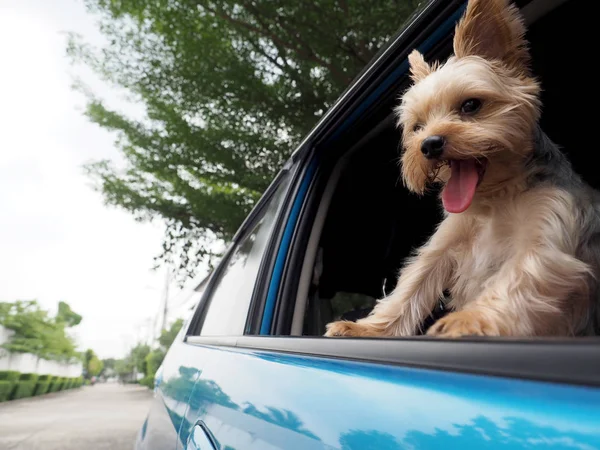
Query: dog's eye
x=417, y=127
x=470, y=106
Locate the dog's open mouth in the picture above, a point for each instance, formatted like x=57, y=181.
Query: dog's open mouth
x=466, y=174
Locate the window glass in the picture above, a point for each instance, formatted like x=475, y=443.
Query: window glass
x=229, y=300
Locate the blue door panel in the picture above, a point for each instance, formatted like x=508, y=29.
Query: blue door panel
x=200, y=438
x=174, y=385
x=255, y=400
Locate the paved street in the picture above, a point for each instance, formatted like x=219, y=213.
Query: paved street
x=104, y=416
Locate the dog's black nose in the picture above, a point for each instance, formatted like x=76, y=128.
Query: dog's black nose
x=433, y=146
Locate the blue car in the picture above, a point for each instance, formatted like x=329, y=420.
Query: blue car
x=251, y=369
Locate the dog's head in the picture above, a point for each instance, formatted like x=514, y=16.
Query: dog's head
x=468, y=123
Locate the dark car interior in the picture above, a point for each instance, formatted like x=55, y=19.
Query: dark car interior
x=373, y=222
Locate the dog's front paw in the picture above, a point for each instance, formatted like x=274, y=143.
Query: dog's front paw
x=343, y=328
x=464, y=323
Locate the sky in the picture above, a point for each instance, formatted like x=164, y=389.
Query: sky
x=58, y=241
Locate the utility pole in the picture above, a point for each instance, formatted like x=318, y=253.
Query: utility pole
x=166, y=299
x=153, y=336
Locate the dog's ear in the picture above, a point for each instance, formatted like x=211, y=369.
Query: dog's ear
x=492, y=29
x=419, y=68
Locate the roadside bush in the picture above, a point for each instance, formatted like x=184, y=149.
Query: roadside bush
x=24, y=389
x=26, y=385
x=29, y=377
x=147, y=381
x=6, y=388
x=14, y=385
x=56, y=384
x=50, y=381
x=9, y=375
x=12, y=377
x=41, y=388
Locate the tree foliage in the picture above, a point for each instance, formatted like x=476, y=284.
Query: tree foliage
x=144, y=359
x=95, y=366
x=133, y=363
x=92, y=365
x=228, y=88
x=67, y=316
x=108, y=367
x=153, y=361
x=123, y=368
x=138, y=357
x=35, y=331
x=156, y=356
x=168, y=336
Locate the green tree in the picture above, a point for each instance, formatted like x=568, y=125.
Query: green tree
x=123, y=368
x=67, y=316
x=153, y=361
x=30, y=325
x=37, y=332
x=95, y=366
x=168, y=336
x=137, y=361
x=108, y=367
x=92, y=364
x=87, y=357
x=155, y=358
x=137, y=357
x=228, y=89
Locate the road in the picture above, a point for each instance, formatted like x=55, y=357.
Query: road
x=104, y=416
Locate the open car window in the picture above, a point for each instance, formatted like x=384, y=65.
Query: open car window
x=371, y=223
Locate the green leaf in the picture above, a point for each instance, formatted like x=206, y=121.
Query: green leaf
x=36, y=332
x=227, y=89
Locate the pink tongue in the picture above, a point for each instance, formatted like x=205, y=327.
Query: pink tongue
x=460, y=189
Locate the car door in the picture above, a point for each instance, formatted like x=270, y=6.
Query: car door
x=277, y=393
x=223, y=310
x=226, y=306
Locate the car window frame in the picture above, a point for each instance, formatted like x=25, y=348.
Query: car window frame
x=572, y=361
x=255, y=216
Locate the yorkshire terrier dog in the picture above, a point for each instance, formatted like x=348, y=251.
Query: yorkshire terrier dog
x=519, y=246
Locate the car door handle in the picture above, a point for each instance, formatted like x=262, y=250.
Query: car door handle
x=201, y=439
